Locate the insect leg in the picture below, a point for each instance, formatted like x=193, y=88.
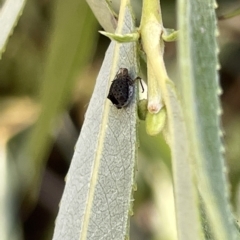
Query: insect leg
x=138, y=78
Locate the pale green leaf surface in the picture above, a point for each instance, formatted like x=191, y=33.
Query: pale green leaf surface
x=98, y=195
x=186, y=203
x=199, y=89
x=9, y=14
x=8, y=227
x=103, y=14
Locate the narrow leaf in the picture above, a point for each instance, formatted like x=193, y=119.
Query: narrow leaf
x=9, y=14
x=199, y=89
x=104, y=15
x=97, y=198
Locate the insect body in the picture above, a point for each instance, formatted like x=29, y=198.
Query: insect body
x=122, y=88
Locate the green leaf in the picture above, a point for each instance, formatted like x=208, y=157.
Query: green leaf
x=104, y=14
x=131, y=37
x=199, y=88
x=169, y=35
x=97, y=199
x=9, y=15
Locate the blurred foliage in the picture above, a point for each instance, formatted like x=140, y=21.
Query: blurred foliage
x=21, y=74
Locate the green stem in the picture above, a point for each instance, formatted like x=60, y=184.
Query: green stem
x=153, y=45
x=151, y=9
x=185, y=192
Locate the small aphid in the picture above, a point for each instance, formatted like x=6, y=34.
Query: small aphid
x=122, y=88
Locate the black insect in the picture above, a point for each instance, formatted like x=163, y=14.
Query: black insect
x=122, y=88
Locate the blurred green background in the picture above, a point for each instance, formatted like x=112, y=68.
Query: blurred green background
x=47, y=75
